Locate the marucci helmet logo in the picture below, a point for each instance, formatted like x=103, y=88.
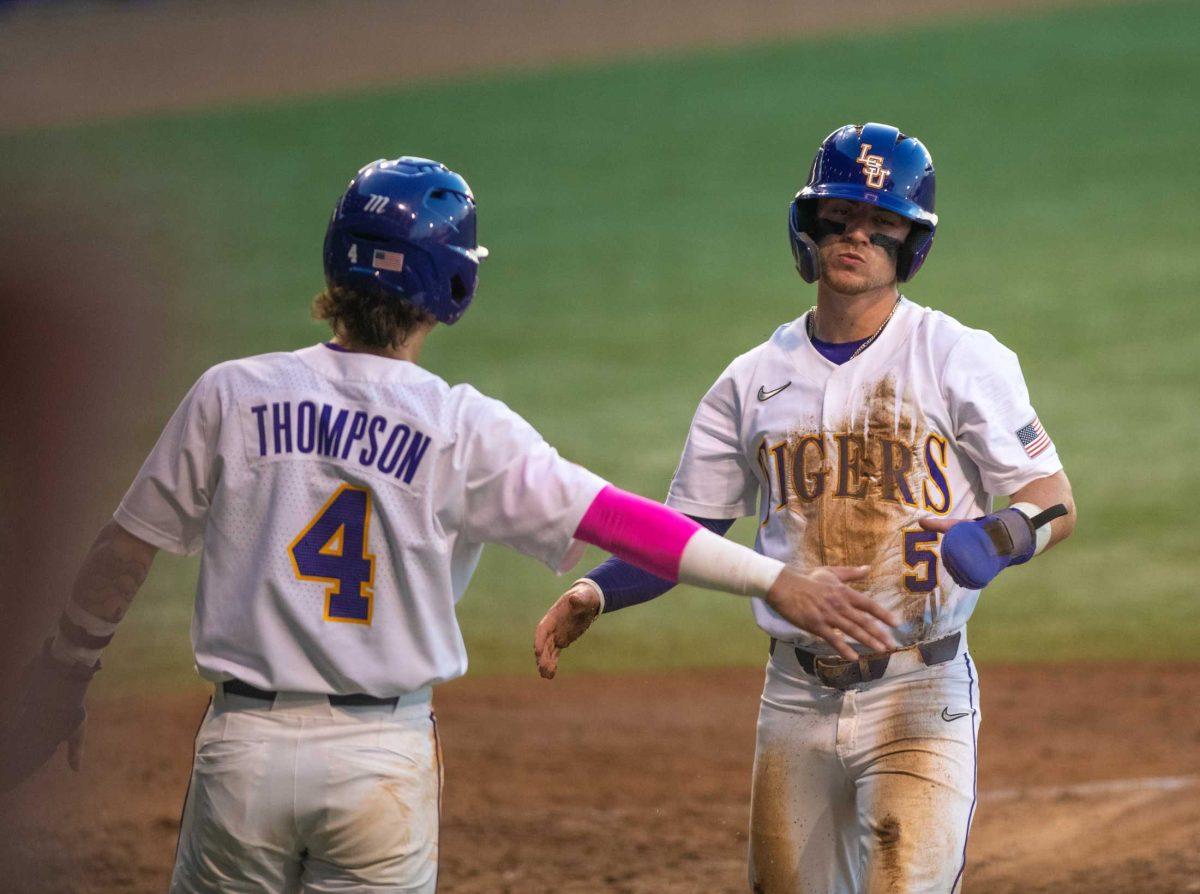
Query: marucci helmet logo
x=376, y=204
x=872, y=166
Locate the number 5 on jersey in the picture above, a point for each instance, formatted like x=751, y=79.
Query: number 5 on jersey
x=332, y=549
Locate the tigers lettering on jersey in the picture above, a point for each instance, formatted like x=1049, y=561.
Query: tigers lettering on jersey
x=853, y=466
x=312, y=429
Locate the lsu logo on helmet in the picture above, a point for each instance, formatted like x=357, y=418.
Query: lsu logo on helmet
x=872, y=166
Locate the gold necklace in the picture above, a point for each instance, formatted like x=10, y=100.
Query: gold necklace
x=812, y=328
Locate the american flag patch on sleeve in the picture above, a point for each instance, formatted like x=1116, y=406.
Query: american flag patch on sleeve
x=1033, y=438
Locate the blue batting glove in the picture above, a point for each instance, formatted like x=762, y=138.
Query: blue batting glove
x=975, y=551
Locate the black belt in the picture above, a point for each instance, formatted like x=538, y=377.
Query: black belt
x=245, y=690
x=839, y=673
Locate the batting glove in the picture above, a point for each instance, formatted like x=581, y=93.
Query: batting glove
x=975, y=551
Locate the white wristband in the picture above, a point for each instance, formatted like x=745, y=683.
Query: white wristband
x=81, y=635
x=69, y=653
x=715, y=563
x=1042, y=534
x=595, y=588
x=92, y=624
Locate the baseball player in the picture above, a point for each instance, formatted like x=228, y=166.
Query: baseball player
x=340, y=496
x=870, y=431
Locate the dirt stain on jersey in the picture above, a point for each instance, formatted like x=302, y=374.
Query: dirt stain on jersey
x=853, y=521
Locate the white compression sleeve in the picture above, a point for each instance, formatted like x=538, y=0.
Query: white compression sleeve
x=715, y=563
x=1042, y=534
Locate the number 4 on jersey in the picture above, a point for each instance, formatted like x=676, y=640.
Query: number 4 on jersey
x=332, y=549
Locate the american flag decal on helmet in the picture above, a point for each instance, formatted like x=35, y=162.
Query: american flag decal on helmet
x=1033, y=438
x=388, y=260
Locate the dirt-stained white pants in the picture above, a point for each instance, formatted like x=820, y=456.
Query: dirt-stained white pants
x=298, y=795
x=869, y=790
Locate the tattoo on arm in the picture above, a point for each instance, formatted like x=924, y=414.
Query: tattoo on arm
x=113, y=572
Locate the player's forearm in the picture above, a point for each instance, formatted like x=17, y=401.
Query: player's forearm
x=621, y=584
x=1047, y=492
x=672, y=546
x=114, y=570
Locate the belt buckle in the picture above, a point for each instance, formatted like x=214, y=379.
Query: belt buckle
x=838, y=673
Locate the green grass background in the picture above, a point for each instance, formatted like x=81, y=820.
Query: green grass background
x=635, y=213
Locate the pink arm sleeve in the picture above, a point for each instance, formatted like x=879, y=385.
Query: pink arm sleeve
x=640, y=531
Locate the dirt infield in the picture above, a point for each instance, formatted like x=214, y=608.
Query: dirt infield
x=1089, y=780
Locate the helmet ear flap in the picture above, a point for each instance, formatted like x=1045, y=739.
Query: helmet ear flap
x=804, y=247
x=912, y=253
x=808, y=258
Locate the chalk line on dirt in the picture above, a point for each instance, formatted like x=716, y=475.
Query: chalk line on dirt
x=1093, y=789
x=1140, y=785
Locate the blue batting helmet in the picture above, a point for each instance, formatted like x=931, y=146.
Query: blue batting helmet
x=407, y=225
x=873, y=163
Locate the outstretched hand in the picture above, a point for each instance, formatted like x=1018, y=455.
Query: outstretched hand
x=821, y=602
x=567, y=620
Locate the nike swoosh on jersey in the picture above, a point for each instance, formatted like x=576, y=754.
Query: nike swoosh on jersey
x=763, y=394
x=949, y=717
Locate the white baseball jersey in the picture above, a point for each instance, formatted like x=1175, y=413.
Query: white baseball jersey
x=340, y=502
x=933, y=418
